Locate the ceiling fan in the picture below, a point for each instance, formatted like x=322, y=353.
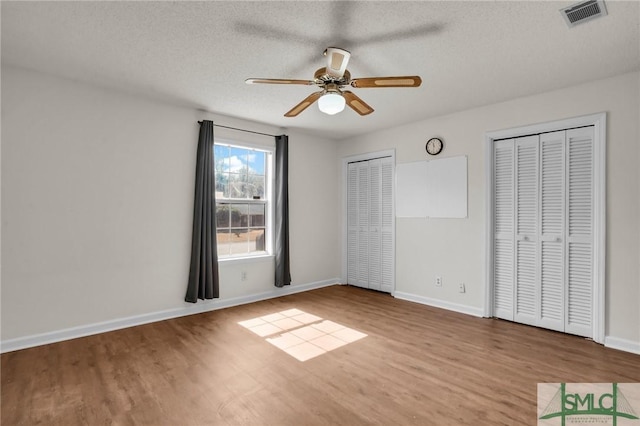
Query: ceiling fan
x=333, y=79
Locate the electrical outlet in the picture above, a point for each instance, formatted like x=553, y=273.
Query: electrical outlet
x=243, y=276
x=461, y=288
x=438, y=281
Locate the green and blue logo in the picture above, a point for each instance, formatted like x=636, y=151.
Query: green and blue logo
x=584, y=403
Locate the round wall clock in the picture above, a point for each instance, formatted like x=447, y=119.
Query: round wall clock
x=434, y=146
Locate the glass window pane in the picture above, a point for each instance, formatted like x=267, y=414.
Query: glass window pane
x=238, y=160
x=239, y=215
x=224, y=245
x=222, y=187
x=257, y=240
x=222, y=216
x=237, y=183
x=221, y=158
x=248, y=190
x=256, y=215
x=256, y=162
x=256, y=186
x=242, y=189
x=239, y=241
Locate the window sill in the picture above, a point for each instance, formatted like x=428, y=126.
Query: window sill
x=248, y=259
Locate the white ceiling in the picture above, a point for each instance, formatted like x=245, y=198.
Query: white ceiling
x=199, y=53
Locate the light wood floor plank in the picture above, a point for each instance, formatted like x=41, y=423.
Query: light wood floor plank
x=418, y=365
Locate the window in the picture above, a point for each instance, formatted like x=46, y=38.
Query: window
x=243, y=187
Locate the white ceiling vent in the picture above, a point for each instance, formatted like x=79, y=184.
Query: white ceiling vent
x=583, y=12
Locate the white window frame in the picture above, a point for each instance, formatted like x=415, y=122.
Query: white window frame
x=268, y=199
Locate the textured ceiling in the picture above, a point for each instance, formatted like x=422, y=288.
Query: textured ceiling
x=199, y=53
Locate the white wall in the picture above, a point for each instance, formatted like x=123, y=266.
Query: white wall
x=455, y=248
x=97, y=194
x=97, y=199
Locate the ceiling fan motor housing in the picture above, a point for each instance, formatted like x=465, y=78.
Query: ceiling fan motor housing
x=322, y=77
x=337, y=60
x=331, y=88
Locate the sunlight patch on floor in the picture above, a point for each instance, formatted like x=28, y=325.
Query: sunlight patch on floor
x=302, y=335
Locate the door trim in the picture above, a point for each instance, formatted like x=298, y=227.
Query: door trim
x=345, y=162
x=599, y=121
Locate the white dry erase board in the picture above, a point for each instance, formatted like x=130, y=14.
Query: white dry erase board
x=435, y=188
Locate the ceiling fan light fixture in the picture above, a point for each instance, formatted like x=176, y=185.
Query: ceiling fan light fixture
x=331, y=103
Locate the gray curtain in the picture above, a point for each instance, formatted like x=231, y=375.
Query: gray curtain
x=283, y=271
x=203, y=273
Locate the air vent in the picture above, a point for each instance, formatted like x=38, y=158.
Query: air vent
x=583, y=12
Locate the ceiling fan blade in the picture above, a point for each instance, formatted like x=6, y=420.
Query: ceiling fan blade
x=337, y=60
x=406, y=81
x=278, y=81
x=304, y=104
x=356, y=104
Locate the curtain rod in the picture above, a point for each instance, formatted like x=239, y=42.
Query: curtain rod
x=241, y=130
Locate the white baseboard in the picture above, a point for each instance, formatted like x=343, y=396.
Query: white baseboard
x=622, y=344
x=609, y=341
x=464, y=309
x=189, y=309
x=215, y=304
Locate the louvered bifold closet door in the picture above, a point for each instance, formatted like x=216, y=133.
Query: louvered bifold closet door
x=375, y=224
x=387, y=229
x=526, y=221
x=579, y=288
x=552, y=217
x=352, y=223
x=503, y=213
x=363, y=225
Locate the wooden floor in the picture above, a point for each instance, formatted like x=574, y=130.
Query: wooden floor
x=418, y=365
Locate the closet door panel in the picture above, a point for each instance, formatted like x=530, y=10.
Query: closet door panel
x=579, y=289
x=375, y=224
x=352, y=223
x=370, y=224
x=387, y=226
x=363, y=225
x=552, y=217
x=551, y=286
x=526, y=219
x=503, y=224
x=543, y=257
